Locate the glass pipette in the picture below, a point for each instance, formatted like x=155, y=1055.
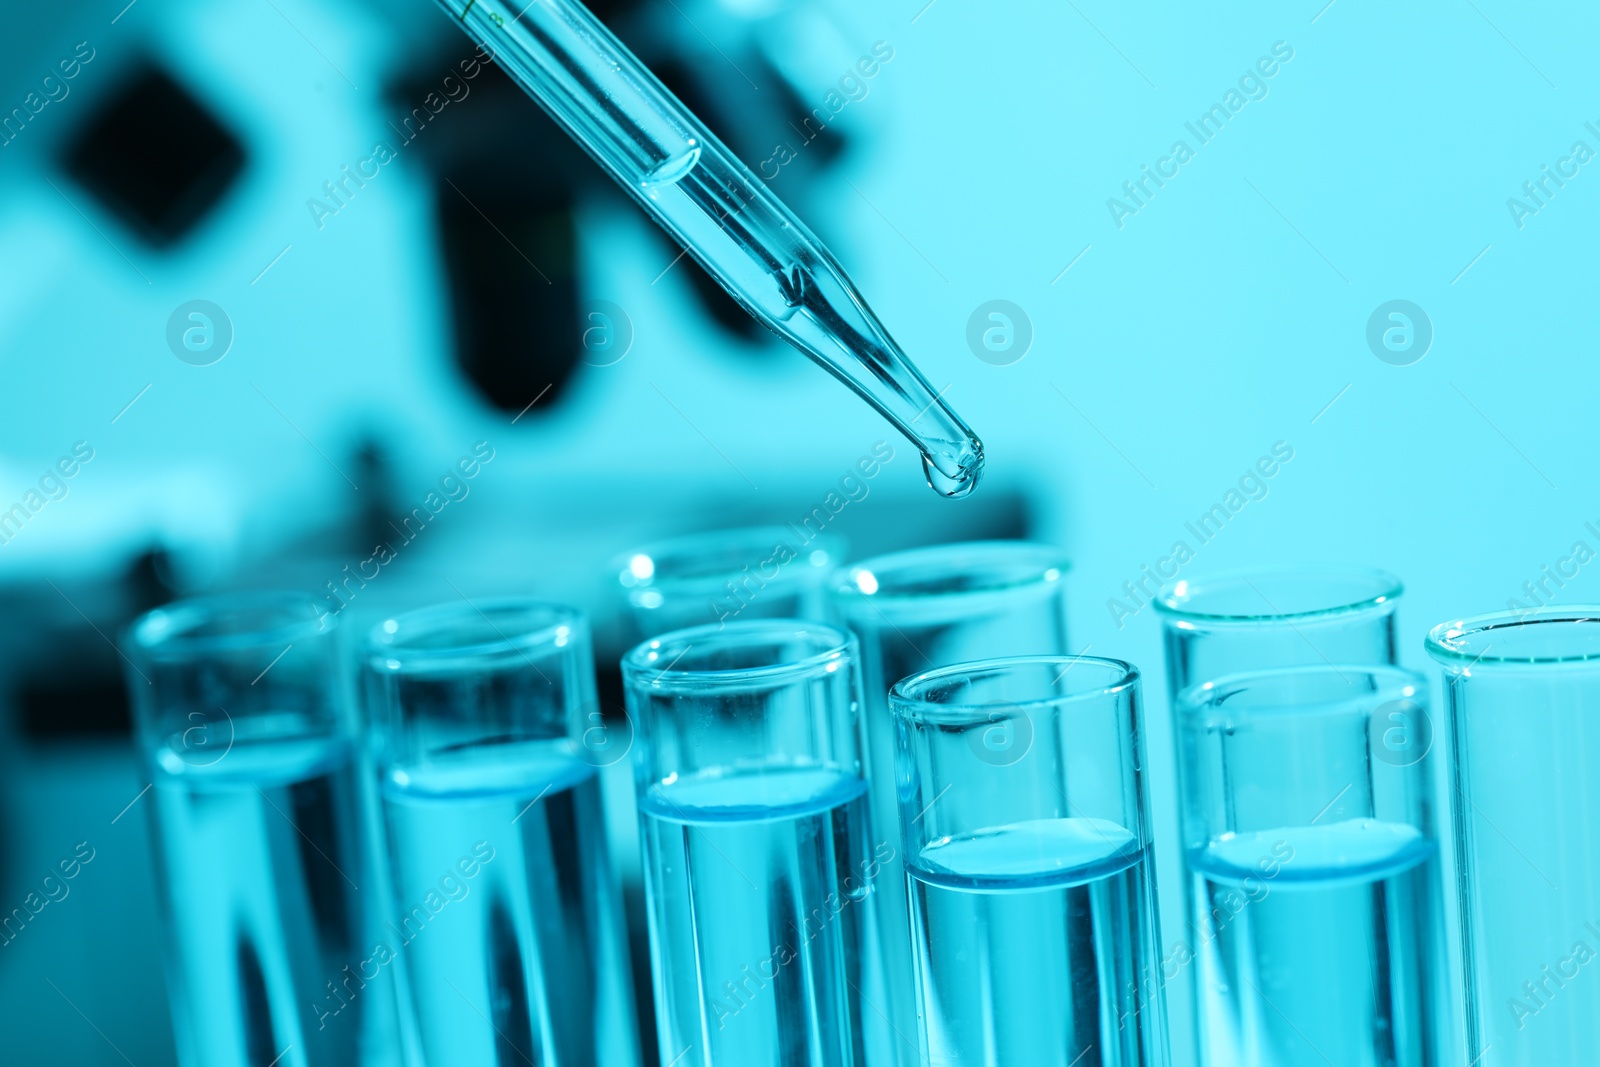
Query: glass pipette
x=720, y=212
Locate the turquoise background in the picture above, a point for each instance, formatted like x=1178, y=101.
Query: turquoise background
x=1168, y=354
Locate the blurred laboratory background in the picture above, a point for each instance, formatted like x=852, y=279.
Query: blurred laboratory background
x=272, y=269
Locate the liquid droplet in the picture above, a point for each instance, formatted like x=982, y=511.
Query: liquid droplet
x=953, y=488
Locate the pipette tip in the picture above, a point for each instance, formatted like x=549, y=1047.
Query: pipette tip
x=963, y=471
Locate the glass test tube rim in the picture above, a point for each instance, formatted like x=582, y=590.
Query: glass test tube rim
x=1175, y=598
x=902, y=581
x=171, y=632
x=1402, y=684
x=833, y=647
x=908, y=702
x=552, y=627
x=1449, y=643
x=671, y=580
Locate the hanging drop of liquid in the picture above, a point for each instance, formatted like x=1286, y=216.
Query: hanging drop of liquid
x=948, y=487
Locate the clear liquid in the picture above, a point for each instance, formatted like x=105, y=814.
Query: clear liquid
x=1031, y=944
x=507, y=924
x=261, y=856
x=1527, y=819
x=1327, y=959
x=758, y=884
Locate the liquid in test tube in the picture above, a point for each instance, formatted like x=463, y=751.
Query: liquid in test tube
x=1314, y=867
x=1224, y=624
x=910, y=610
x=1028, y=866
x=506, y=919
x=1522, y=689
x=262, y=853
x=758, y=857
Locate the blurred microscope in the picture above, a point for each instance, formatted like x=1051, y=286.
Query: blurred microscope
x=279, y=268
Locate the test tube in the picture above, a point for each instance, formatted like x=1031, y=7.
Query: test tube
x=506, y=920
x=1277, y=617
x=1033, y=916
x=1269, y=617
x=769, y=572
x=1522, y=690
x=261, y=847
x=1309, y=830
x=912, y=610
x=757, y=855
